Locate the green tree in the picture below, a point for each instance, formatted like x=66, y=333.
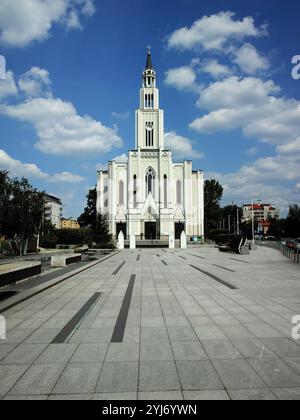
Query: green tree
x=213, y=193
x=101, y=233
x=23, y=211
x=292, y=227
x=5, y=192
x=88, y=217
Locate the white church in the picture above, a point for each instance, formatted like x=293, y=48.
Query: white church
x=150, y=196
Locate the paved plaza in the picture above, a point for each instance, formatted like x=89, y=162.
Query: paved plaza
x=159, y=324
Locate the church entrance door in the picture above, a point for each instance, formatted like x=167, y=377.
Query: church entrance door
x=179, y=228
x=121, y=227
x=150, y=230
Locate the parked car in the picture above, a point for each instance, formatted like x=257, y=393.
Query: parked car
x=290, y=244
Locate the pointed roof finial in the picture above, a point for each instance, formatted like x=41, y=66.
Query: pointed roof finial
x=149, y=65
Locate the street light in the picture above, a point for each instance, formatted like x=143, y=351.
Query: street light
x=253, y=228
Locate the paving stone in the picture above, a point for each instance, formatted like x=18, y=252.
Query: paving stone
x=24, y=354
x=158, y=376
x=252, y=395
x=118, y=377
x=238, y=374
x=276, y=373
x=288, y=394
x=57, y=354
x=78, y=378
x=188, y=350
x=199, y=376
x=161, y=396
x=206, y=395
x=39, y=379
x=156, y=351
x=209, y=333
x=123, y=352
x=220, y=349
x=9, y=375
x=90, y=352
x=122, y=396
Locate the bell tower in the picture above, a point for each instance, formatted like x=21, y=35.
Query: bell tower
x=149, y=118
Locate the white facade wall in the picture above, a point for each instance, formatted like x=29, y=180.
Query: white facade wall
x=136, y=208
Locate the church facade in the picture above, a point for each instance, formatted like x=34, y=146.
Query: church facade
x=150, y=196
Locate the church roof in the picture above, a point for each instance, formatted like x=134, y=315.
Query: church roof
x=149, y=65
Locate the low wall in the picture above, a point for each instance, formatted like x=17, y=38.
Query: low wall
x=64, y=260
x=14, y=272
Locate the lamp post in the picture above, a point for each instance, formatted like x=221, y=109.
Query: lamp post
x=253, y=227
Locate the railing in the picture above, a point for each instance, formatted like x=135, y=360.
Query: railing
x=292, y=254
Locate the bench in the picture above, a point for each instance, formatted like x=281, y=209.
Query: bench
x=13, y=272
x=236, y=246
x=64, y=260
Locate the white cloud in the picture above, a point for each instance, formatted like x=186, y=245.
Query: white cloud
x=181, y=78
x=8, y=86
x=213, y=32
x=17, y=168
x=290, y=148
x=67, y=177
x=180, y=146
x=23, y=22
x=35, y=82
x=61, y=131
x=31, y=170
x=251, y=105
x=249, y=59
x=215, y=69
x=120, y=115
x=252, y=151
x=121, y=159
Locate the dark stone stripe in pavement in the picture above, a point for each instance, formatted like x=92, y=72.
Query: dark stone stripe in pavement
x=138, y=257
x=164, y=262
x=66, y=332
x=119, y=329
x=119, y=268
x=197, y=256
x=223, y=268
x=212, y=276
x=235, y=259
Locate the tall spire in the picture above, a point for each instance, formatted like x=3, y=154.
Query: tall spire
x=149, y=65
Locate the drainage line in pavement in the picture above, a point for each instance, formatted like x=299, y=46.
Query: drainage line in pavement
x=119, y=268
x=235, y=259
x=223, y=268
x=119, y=329
x=65, y=334
x=212, y=276
x=197, y=256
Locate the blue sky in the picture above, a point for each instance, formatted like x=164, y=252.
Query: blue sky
x=224, y=72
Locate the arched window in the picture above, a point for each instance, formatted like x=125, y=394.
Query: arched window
x=121, y=193
x=134, y=191
x=165, y=192
x=178, y=192
x=150, y=182
x=149, y=134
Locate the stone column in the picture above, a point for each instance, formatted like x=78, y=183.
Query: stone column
x=132, y=241
x=171, y=241
x=183, y=240
x=120, y=244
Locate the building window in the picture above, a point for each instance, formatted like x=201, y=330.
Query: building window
x=150, y=182
x=165, y=192
x=121, y=193
x=149, y=134
x=134, y=192
x=178, y=192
